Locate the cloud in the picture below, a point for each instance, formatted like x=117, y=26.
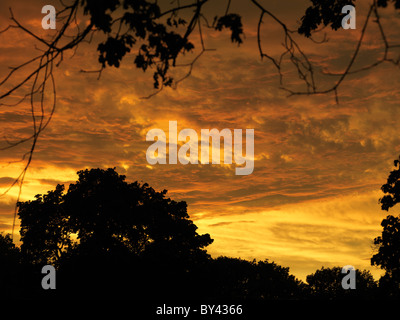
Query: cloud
x=317, y=163
x=6, y=181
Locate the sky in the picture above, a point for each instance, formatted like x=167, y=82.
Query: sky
x=312, y=199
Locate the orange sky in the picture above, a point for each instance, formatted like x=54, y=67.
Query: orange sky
x=312, y=199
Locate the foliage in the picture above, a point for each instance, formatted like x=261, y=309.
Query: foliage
x=239, y=279
x=106, y=214
x=388, y=244
x=143, y=21
x=9, y=264
x=391, y=188
x=44, y=231
x=324, y=12
x=326, y=283
x=328, y=12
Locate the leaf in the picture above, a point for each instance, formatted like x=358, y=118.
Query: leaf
x=234, y=23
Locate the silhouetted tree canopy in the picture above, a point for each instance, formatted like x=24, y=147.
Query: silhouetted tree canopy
x=391, y=188
x=141, y=20
x=104, y=223
x=106, y=213
x=388, y=244
x=8, y=251
x=11, y=277
x=108, y=237
x=112, y=239
x=236, y=279
x=326, y=283
x=326, y=12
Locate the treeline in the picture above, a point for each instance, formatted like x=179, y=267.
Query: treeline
x=107, y=238
x=109, y=275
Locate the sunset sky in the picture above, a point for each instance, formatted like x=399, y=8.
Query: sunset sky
x=312, y=199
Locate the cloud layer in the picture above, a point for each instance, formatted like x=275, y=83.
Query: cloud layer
x=312, y=199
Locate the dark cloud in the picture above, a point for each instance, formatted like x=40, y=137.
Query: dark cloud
x=5, y=181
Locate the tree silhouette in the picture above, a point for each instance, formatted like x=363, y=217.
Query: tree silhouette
x=44, y=232
x=112, y=239
x=106, y=212
x=17, y=279
x=238, y=279
x=388, y=245
x=8, y=251
x=117, y=224
x=9, y=264
x=326, y=283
